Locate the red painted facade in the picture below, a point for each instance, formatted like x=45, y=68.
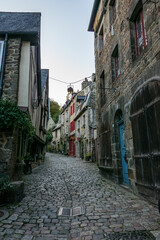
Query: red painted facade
x=72, y=128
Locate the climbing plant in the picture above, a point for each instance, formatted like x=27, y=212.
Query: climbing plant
x=49, y=136
x=11, y=116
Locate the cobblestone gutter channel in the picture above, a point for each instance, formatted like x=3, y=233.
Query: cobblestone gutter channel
x=109, y=211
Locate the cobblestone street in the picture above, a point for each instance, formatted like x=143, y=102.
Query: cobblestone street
x=106, y=210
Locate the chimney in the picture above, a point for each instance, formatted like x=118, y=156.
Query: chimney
x=85, y=83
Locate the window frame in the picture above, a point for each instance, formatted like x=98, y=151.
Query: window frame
x=112, y=12
x=102, y=88
x=143, y=33
x=115, y=64
x=101, y=39
x=1, y=53
x=136, y=48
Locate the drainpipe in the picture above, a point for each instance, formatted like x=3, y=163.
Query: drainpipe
x=3, y=63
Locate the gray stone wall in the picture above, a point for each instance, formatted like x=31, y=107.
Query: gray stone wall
x=11, y=74
x=8, y=152
x=5, y=150
x=133, y=74
x=8, y=140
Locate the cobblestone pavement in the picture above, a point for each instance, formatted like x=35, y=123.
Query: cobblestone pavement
x=108, y=210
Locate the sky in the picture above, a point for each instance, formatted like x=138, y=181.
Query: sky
x=67, y=48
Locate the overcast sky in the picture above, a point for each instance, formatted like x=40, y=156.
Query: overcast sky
x=66, y=45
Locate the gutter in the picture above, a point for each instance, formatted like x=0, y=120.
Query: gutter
x=3, y=63
x=93, y=15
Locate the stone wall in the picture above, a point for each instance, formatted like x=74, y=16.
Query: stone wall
x=5, y=150
x=133, y=74
x=11, y=74
x=8, y=140
x=8, y=152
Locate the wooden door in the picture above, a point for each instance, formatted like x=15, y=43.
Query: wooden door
x=145, y=118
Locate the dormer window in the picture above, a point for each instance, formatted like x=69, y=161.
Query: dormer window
x=1, y=53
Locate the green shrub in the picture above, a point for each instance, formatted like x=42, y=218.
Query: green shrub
x=88, y=156
x=4, y=183
x=49, y=136
x=11, y=116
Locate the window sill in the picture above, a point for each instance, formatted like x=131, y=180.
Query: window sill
x=138, y=58
x=116, y=81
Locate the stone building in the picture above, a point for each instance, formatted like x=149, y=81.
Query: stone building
x=127, y=59
x=23, y=82
x=72, y=126
x=56, y=141
x=65, y=125
x=75, y=130
x=85, y=121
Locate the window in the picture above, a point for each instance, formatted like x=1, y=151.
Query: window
x=78, y=127
x=83, y=121
x=102, y=89
x=101, y=43
x=72, y=126
x=72, y=109
x=115, y=64
x=112, y=12
x=138, y=34
x=1, y=53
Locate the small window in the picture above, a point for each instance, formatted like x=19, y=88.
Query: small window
x=1, y=53
x=112, y=12
x=138, y=34
x=141, y=40
x=83, y=121
x=115, y=64
x=102, y=89
x=101, y=41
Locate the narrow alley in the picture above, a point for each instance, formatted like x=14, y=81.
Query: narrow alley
x=67, y=198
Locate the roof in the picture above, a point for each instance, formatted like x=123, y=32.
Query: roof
x=44, y=78
x=84, y=106
x=21, y=23
x=93, y=15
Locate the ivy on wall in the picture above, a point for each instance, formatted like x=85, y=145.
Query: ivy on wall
x=12, y=117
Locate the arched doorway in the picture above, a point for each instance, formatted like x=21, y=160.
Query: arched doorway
x=145, y=118
x=120, y=147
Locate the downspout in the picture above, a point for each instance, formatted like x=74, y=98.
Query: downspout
x=3, y=63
